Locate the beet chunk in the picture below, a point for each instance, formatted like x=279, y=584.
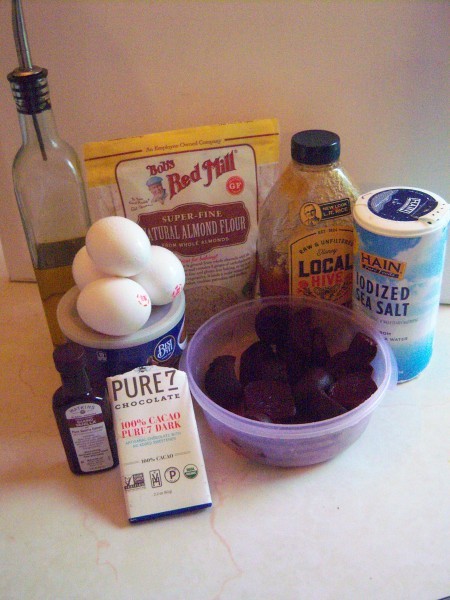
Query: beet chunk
x=341, y=363
x=352, y=389
x=259, y=361
x=296, y=363
x=300, y=332
x=297, y=350
x=323, y=407
x=271, y=324
x=221, y=383
x=319, y=350
x=315, y=380
x=271, y=398
x=363, y=348
x=345, y=362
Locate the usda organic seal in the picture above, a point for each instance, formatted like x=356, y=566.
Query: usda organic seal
x=190, y=471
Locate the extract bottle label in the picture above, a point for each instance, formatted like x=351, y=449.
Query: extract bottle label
x=89, y=436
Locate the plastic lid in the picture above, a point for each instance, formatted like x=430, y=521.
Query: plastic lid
x=69, y=357
x=162, y=320
x=315, y=147
x=401, y=212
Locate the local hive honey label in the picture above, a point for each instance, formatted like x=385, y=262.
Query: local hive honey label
x=321, y=263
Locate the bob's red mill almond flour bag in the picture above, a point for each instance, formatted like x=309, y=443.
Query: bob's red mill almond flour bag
x=197, y=192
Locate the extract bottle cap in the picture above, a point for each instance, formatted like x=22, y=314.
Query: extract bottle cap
x=69, y=357
x=315, y=147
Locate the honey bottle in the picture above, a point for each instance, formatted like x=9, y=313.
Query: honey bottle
x=305, y=244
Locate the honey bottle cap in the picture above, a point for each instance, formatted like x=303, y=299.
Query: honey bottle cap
x=315, y=147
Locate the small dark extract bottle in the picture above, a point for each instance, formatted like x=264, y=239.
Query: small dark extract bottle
x=84, y=420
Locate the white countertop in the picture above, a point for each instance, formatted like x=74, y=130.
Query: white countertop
x=374, y=523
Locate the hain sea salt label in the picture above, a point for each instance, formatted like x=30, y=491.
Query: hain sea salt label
x=161, y=461
x=398, y=263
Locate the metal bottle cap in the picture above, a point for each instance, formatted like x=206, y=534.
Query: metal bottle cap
x=30, y=90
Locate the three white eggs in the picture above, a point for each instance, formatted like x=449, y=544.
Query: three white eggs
x=121, y=275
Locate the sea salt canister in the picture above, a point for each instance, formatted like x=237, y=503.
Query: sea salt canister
x=399, y=251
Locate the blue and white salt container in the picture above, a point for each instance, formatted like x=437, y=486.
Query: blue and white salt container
x=399, y=252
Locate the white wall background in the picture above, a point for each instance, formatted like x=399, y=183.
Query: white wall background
x=376, y=72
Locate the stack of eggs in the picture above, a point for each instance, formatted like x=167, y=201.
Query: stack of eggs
x=121, y=275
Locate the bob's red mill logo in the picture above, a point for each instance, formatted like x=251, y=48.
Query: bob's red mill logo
x=387, y=267
x=207, y=172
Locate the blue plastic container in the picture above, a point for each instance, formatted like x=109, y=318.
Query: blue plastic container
x=161, y=341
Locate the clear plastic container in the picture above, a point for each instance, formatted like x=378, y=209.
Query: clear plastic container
x=231, y=331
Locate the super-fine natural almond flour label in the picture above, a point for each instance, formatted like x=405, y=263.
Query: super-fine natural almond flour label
x=196, y=192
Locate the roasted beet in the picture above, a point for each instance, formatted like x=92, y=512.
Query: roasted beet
x=296, y=364
x=271, y=324
x=357, y=357
x=308, y=390
x=319, y=350
x=363, y=348
x=315, y=380
x=221, y=383
x=352, y=389
x=316, y=405
x=300, y=332
x=271, y=398
x=323, y=407
x=259, y=361
x=340, y=364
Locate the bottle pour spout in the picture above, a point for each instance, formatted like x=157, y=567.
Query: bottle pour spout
x=20, y=37
x=28, y=94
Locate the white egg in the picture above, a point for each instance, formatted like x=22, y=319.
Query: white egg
x=114, y=305
x=164, y=276
x=84, y=269
x=118, y=246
